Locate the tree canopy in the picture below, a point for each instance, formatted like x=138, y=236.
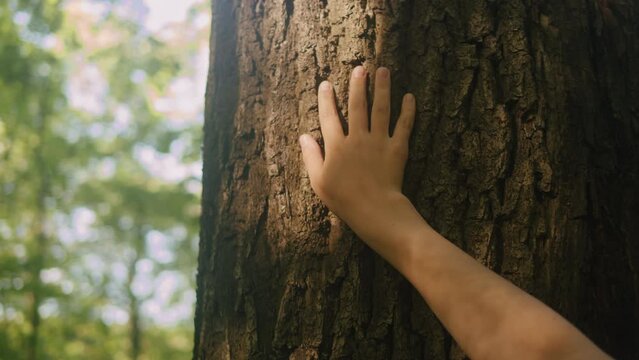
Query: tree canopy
x=99, y=188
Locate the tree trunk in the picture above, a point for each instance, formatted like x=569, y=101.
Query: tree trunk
x=41, y=243
x=135, y=329
x=524, y=154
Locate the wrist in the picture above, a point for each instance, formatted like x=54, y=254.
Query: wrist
x=388, y=223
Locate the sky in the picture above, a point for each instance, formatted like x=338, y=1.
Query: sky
x=163, y=12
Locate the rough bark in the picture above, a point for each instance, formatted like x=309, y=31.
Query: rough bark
x=524, y=154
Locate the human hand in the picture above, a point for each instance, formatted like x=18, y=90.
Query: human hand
x=364, y=168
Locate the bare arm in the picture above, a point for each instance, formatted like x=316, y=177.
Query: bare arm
x=360, y=179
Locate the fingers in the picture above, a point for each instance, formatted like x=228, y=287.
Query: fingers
x=406, y=119
x=329, y=119
x=380, y=117
x=357, y=106
x=312, y=155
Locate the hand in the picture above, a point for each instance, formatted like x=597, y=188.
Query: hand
x=364, y=168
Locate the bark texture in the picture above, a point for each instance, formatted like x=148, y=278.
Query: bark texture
x=524, y=153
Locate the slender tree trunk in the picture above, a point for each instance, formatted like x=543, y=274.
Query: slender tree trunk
x=134, y=313
x=135, y=326
x=40, y=245
x=524, y=154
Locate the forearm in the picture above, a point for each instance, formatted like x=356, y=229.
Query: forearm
x=487, y=315
x=381, y=221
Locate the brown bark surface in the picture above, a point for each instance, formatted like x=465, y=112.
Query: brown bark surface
x=525, y=154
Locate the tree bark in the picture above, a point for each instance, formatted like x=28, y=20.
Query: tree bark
x=524, y=154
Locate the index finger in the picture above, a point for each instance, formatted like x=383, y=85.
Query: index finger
x=329, y=119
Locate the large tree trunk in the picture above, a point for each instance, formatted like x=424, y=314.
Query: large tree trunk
x=524, y=154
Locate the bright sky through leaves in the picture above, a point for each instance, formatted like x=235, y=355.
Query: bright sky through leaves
x=100, y=133
x=181, y=106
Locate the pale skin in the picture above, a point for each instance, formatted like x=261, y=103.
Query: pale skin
x=360, y=179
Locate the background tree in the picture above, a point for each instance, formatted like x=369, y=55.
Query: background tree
x=524, y=154
x=30, y=102
x=99, y=180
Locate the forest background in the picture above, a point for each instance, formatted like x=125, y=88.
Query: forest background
x=101, y=107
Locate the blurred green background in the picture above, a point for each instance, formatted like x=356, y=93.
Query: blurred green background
x=101, y=107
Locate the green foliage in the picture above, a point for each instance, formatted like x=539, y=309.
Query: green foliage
x=90, y=230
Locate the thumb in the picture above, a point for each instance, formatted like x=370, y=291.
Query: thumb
x=312, y=155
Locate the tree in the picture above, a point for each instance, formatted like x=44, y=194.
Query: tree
x=30, y=88
x=524, y=154
x=96, y=248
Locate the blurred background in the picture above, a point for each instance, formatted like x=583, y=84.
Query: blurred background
x=101, y=107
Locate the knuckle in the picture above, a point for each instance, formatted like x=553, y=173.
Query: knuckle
x=378, y=145
x=355, y=142
x=400, y=149
x=382, y=108
x=358, y=105
x=405, y=122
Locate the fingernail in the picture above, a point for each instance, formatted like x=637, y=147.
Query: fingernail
x=325, y=85
x=383, y=72
x=303, y=140
x=359, y=71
